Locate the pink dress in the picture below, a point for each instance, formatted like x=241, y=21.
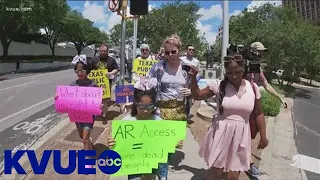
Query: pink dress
x=227, y=143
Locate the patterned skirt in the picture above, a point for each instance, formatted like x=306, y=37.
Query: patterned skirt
x=172, y=110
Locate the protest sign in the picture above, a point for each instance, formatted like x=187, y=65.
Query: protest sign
x=142, y=66
x=76, y=98
x=144, y=144
x=124, y=93
x=80, y=117
x=99, y=77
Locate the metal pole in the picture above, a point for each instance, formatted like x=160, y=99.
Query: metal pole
x=135, y=34
x=122, y=50
x=225, y=35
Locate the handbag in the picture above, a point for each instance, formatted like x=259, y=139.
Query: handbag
x=253, y=118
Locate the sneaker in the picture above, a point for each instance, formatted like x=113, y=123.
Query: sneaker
x=163, y=178
x=171, y=168
x=254, y=171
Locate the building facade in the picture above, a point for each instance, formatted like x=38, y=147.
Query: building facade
x=307, y=9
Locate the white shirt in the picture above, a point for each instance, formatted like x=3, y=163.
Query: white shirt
x=194, y=62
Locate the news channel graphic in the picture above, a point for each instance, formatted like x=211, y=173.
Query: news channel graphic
x=109, y=161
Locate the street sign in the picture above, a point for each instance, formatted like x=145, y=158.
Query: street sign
x=113, y=5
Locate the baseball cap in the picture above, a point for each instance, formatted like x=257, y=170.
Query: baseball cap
x=258, y=46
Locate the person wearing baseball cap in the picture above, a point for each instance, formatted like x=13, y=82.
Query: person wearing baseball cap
x=260, y=79
x=258, y=46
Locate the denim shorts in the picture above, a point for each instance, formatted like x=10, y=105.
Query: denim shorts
x=86, y=126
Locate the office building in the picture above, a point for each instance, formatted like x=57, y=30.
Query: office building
x=307, y=9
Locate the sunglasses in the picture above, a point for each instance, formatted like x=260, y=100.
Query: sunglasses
x=145, y=106
x=237, y=58
x=174, y=52
x=144, y=50
x=80, y=72
x=191, y=49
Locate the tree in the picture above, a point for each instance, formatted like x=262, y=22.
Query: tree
x=289, y=39
x=170, y=18
x=15, y=19
x=115, y=33
x=53, y=13
x=79, y=31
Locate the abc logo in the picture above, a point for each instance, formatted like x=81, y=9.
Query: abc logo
x=109, y=162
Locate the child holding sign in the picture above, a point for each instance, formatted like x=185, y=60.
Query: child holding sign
x=144, y=108
x=82, y=70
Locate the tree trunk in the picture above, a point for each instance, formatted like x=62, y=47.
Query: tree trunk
x=5, y=48
x=78, y=46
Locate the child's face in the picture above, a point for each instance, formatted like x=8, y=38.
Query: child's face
x=81, y=73
x=145, y=107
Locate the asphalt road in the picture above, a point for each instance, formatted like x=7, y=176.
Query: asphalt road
x=306, y=117
x=26, y=108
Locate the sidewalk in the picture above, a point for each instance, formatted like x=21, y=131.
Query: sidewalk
x=277, y=158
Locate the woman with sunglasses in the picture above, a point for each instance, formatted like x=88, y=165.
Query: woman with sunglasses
x=227, y=145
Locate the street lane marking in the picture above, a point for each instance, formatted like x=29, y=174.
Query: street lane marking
x=16, y=86
x=308, y=103
x=306, y=163
x=26, y=109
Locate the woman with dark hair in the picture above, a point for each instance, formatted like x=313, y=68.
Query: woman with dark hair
x=227, y=145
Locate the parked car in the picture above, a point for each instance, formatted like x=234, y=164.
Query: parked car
x=278, y=72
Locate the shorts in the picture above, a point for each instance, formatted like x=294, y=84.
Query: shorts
x=86, y=126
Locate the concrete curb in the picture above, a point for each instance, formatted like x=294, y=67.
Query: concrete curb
x=277, y=157
x=39, y=146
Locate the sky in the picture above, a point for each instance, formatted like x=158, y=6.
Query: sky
x=211, y=11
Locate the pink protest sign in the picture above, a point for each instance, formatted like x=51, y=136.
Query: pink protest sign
x=80, y=117
x=79, y=99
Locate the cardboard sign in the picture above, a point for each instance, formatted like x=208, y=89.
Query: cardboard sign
x=76, y=98
x=143, y=144
x=124, y=93
x=99, y=77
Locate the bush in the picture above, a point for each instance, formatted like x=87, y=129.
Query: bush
x=270, y=105
x=292, y=79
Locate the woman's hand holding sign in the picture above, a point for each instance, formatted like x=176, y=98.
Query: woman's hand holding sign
x=111, y=142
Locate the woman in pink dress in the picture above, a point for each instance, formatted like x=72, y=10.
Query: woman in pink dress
x=227, y=144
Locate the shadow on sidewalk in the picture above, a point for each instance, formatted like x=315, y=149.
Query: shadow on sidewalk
x=99, y=149
x=198, y=174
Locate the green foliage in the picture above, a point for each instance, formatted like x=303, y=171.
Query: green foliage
x=170, y=18
x=270, y=105
x=81, y=32
x=51, y=20
x=54, y=16
x=293, y=43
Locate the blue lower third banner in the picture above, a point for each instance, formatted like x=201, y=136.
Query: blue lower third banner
x=109, y=161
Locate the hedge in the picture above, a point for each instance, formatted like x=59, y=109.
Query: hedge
x=270, y=104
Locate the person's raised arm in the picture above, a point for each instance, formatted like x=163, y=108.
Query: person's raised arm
x=196, y=93
x=270, y=89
